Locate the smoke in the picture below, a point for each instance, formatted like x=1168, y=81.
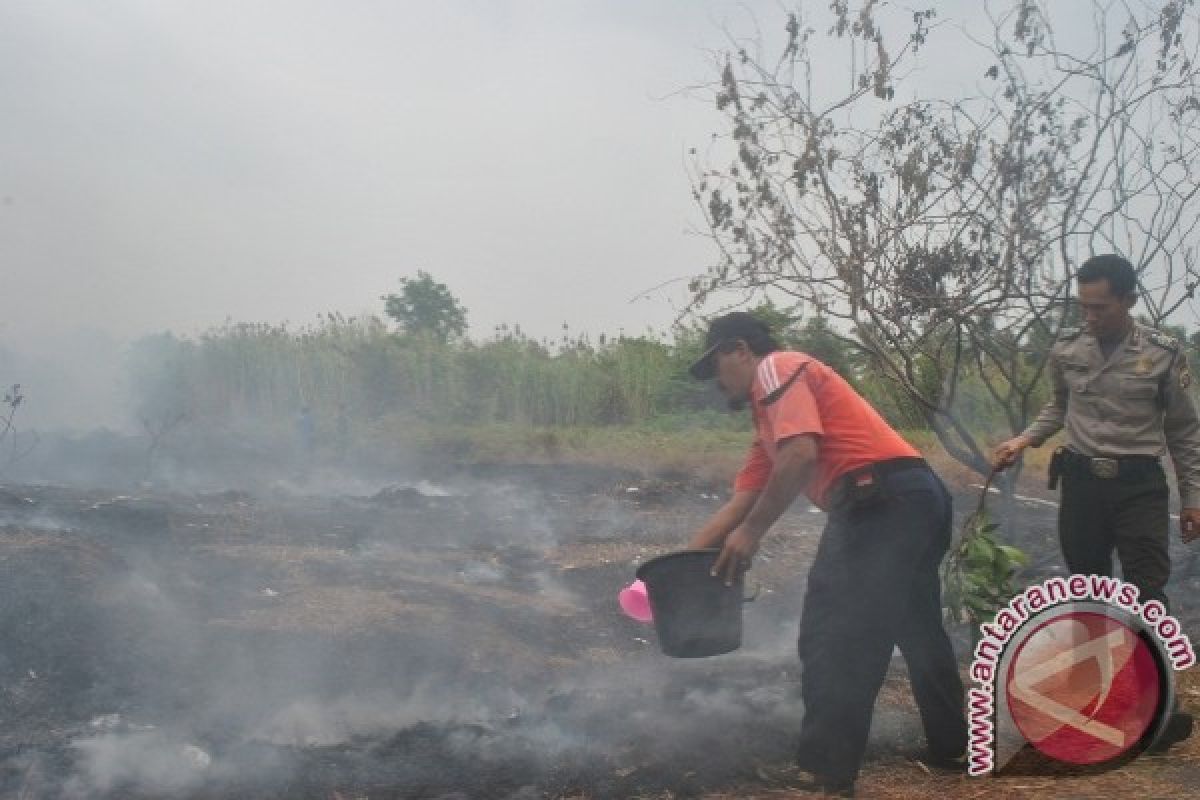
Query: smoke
x=73, y=381
x=145, y=760
x=312, y=721
x=33, y=519
x=404, y=633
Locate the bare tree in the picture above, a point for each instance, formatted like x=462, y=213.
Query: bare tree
x=9, y=440
x=943, y=232
x=165, y=396
x=13, y=397
x=158, y=429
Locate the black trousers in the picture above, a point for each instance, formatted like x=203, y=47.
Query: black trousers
x=1097, y=516
x=875, y=585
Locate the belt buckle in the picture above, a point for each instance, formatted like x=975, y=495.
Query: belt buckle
x=1104, y=467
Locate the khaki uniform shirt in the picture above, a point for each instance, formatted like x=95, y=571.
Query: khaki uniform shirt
x=1137, y=402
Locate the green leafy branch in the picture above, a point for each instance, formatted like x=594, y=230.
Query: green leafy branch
x=977, y=576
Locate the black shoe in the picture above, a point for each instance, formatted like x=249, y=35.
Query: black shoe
x=811, y=760
x=831, y=787
x=956, y=763
x=1179, y=727
x=808, y=761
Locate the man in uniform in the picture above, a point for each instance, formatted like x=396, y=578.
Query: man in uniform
x=1121, y=388
x=874, y=583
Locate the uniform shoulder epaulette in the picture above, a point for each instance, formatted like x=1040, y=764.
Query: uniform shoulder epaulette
x=1163, y=341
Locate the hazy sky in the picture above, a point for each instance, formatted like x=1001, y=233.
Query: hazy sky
x=171, y=164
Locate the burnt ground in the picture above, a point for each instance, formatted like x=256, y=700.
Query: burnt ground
x=343, y=640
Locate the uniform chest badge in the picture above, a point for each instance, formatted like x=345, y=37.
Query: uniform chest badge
x=1144, y=365
x=1165, y=342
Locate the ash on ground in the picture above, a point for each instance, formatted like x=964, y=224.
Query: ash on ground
x=449, y=640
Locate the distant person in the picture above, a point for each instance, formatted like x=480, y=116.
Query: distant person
x=1122, y=390
x=874, y=583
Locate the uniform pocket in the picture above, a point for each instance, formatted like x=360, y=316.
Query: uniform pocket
x=1140, y=388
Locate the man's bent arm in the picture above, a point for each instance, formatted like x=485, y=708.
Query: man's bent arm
x=1181, y=428
x=795, y=461
x=728, y=517
x=1054, y=413
x=794, y=464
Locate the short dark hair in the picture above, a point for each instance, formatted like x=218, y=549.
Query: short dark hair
x=1121, y=277
x=724, y=332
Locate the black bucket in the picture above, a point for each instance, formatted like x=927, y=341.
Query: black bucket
x=695, y=614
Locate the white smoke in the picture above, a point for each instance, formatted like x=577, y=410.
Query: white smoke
x=145, y=760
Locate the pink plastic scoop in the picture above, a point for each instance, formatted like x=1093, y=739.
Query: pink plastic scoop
x=635, y=603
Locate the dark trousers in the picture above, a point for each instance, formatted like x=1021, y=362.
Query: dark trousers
x=1097, y=516
x=875, y=585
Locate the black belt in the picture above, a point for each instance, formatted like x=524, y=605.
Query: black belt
x=1120, y=467
x=892, y=465
x=862, y=486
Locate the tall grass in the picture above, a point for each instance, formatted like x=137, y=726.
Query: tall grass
x=355, y=366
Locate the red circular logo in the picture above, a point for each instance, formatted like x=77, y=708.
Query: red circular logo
x=1084, y=688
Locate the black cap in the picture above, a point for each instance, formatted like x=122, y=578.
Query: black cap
x=722, y=330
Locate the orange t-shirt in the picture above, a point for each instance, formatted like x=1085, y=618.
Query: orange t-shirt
x=849, y=432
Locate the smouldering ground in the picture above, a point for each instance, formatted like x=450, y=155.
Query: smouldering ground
x=462, y=640
x=1175, y=774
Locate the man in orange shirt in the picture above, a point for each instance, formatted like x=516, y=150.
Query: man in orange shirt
x=874, y=583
